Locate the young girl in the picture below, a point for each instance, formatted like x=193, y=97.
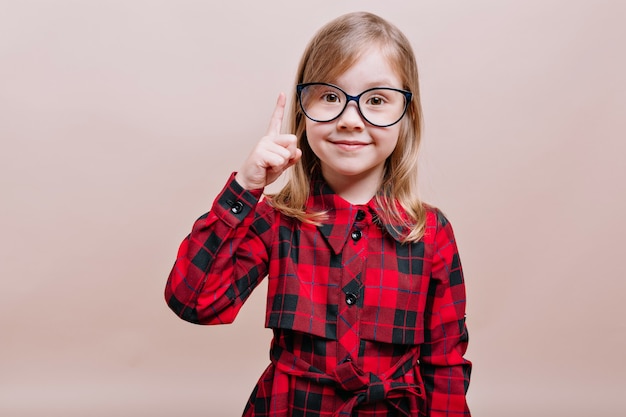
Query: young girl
x=366, y=296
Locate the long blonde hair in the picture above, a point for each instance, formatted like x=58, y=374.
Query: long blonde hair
x=335, y=48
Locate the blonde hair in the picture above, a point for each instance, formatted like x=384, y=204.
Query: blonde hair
x=335, y=48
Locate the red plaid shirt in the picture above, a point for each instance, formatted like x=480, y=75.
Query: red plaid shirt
x=364, y=325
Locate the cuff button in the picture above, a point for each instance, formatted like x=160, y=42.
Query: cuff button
x=237, y=207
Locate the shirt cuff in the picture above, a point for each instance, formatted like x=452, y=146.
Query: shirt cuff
x=233, y=204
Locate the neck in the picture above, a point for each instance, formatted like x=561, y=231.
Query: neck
x=356, y=189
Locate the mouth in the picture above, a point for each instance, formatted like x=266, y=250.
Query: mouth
x=349, y=145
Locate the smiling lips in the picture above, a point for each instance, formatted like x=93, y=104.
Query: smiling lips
x=349, y=145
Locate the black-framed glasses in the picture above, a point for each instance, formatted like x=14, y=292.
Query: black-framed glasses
x=379, y=106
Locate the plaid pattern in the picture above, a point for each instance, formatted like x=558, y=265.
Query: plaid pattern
x=363, y=324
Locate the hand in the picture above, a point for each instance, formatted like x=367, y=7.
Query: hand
x=272, y=155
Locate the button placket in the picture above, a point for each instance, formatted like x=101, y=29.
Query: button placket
x=356, y=233
x=351, y=301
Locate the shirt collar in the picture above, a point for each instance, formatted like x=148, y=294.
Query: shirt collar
x=341, y=215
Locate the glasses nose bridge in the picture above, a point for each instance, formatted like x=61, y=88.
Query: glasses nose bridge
x=356, y=100
x=350, y=98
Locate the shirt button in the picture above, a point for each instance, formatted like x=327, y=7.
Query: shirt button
x=360, y=215
x=356, y=235
x=351, y=299
x=237, y=207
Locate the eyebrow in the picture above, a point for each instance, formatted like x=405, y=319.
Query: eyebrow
x=383, y=82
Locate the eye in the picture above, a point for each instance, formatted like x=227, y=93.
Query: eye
x=375, y=101
x=330, y=98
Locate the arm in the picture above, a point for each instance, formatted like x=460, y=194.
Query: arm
x=445, y=372
x=225, y=256
x=221, y=261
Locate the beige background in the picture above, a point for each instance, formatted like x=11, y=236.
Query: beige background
x=120, y=121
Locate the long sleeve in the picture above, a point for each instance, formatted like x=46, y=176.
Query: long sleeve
x=221, y=261
x=445, y=372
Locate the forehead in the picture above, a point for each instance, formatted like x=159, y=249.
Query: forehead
x=371, y=68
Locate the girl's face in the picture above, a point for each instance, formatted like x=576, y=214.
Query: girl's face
x=349, y=148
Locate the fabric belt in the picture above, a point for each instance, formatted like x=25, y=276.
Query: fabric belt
x=365, y=387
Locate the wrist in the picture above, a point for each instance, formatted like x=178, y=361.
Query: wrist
x=246, y=185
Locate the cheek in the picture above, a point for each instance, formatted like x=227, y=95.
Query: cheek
x=390, y=137
x=308, y=127
x=395, y=134
x=315, y=132
x=396, y=151
x=392, y=148
x=313, y=138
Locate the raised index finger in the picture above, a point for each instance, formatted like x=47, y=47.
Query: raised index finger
x=276, y=122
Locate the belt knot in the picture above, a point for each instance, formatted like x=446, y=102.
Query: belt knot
x=367, y=387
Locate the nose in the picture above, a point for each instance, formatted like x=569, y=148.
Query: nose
x=350, y=118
